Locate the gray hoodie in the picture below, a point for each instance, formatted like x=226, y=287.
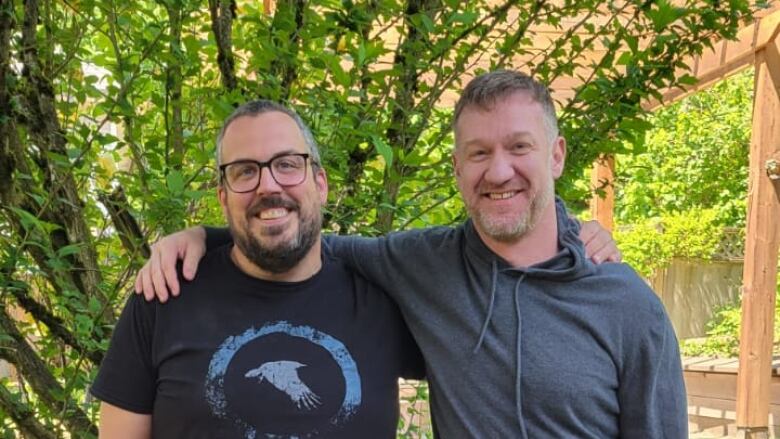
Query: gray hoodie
x=562, y=349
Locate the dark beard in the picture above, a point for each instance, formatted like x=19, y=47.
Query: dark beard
x=287, y=255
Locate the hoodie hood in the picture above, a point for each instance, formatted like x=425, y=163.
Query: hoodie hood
x=568, y=264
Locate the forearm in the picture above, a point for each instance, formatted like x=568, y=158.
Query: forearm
x=118, y=423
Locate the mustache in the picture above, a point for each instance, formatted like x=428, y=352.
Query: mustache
x=271, y=202
x=485, y=188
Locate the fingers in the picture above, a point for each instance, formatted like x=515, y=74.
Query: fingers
x=159, y=277
x=139, y=285
x=167, y=272
x=588, y=230
x=607, y=253
x=190, y=265
x=160, y=288
x=599, y=245
x=146, y=282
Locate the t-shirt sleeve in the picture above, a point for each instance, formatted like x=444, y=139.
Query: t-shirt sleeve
x=652, y=390
x=127, y=377
x=413, y=363
x=217, y=237
x=413, y=366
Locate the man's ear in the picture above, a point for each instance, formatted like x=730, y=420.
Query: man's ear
x=321, y=181
x=222, y=195
x=455, y=168
x=558, y=158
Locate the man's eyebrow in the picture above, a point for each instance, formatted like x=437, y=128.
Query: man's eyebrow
x=519, y=135
x=287, y=152
x=278, y=154
x=511, y=137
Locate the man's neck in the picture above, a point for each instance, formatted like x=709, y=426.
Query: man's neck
x=304, y=269
x=536, y=245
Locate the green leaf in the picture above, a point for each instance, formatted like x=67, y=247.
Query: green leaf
x=175, y=182
x=625, y=58
x=70, y=249
x=664, y=15
x=688, y=79
x=385, y=150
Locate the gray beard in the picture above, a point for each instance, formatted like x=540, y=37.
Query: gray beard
x=523, y=224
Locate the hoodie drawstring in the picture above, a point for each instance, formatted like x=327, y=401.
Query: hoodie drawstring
x=518, y=368
x=490, y=309
x=518, y=341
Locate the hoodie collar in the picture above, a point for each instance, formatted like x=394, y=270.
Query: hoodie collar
x=568, y=264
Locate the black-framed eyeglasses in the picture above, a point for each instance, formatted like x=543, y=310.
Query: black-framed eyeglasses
x=243, y=176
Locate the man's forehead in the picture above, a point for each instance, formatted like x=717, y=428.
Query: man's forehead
x=520, y=98
x=515, y=116
x=264, y=124
x=269, y=129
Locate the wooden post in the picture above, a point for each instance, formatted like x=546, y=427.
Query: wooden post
x=761, y=251
x=603, y=179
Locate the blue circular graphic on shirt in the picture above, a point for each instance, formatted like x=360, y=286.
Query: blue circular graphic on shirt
x=215, y=377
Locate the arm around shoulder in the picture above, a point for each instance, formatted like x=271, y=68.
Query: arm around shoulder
x=118, y=423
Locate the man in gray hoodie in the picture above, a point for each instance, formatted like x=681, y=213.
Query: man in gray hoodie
x=522, y=335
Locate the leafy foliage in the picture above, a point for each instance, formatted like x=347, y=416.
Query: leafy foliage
x=108, y=111
x=695, y=157
x=686, y=182
x=723, y=331
x=687, y=178
x=651, y=244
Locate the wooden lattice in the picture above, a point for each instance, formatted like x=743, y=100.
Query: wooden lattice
x=731, y=246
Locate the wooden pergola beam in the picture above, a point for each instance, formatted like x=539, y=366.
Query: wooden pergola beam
x=603, y=180
x=726, y=58
x=761, y=249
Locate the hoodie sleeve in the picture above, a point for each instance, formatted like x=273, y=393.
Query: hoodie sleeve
x=652, y=391
x=368, y=256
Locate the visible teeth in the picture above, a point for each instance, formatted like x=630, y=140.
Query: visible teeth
x=501, y=196
x=273, y=213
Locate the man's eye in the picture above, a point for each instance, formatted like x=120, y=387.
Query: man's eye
x=244, y=171
x=519, y=147
x=285, y=164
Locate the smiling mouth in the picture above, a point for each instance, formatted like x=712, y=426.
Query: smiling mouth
x=501, y=195
x=268, y=214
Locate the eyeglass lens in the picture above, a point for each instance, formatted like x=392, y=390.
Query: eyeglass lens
x=286, y=170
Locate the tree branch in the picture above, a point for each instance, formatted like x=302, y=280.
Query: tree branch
x=66, y=205
x=222, y=14
x=15, y=349
x=127, y=227
x=57, y=327
x=23, y=416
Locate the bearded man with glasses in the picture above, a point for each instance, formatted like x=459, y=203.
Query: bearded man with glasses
x=274, y=338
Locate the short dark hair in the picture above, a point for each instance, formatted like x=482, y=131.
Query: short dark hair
x=485, y=90
x=260, y=106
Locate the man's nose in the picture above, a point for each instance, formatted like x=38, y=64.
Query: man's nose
x=267, y=182
x=499, y=170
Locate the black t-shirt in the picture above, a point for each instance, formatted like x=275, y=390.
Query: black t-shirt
x=239, y=357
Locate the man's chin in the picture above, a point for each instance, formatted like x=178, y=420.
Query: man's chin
x=275, y=232
x=503, y=230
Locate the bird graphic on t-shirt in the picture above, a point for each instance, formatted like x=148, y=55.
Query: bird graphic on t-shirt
x=284, y=376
